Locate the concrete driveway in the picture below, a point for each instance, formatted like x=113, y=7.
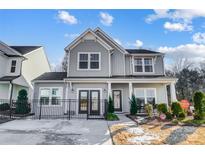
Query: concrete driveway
x=60, y=132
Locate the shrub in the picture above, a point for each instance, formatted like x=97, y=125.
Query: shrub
x=176, y=109
x=22, y=106
x=4, y=107
x=162, y=108
x=169, y=116
x=175, y=122
x=199, y=103
x=182, y=115
x=133, y=105
x=110, y=105
x=149, y=109
x=111, y=117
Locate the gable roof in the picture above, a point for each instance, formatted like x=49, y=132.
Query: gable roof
x=142, y=51
x=52, y=76
x=117, y=45
x=8, y=51
x=25, y=49
x=84, y=34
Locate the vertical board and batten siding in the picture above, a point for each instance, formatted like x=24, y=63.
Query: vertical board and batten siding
x=46, y=110
x=3, y=65
x=117, y=63
x=159, y=65
x=89, y=46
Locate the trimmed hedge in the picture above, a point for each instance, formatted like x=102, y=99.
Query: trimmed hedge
x=4, y=107
x=162, y=108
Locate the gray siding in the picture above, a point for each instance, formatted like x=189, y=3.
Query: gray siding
x=158, y=66
x=89, y=46
x=48, y=110
x=117, y=63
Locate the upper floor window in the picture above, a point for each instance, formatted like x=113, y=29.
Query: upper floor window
x=89, y=61
x=143, y=65
x=13, y=66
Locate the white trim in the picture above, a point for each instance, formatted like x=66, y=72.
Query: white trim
x=89, y=61
x=77, y=40
x=145, y=93
x=50, y=96
x=113, y=42
x=143, y=66
x=77, y=104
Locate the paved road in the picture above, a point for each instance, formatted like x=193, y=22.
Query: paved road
x=60, y=132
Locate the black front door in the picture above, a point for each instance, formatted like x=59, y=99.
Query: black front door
x=117, y=98
x=89, y=99
x=94, y=102
x=83, y=101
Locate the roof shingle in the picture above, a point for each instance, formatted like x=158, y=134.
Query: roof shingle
x=52, y=76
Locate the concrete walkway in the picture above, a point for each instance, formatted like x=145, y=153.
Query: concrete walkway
x=71, y=132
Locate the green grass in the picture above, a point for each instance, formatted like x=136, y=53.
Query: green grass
x=111, y=117
x=193, y=121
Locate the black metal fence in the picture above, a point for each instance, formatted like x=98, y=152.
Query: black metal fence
x=55, y=108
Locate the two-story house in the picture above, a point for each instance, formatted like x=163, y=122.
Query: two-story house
x=19, y=65
x=98, y=67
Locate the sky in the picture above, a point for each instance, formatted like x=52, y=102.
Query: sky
x=178, y=33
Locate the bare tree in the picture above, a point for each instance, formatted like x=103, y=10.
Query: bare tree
x=65, y=62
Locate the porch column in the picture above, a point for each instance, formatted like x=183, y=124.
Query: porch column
x=173, y=92
x=66, y=98
x=9, y=92
x=109, y=89
x=130, y=89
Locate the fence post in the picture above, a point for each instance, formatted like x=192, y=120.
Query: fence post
x=10, y=110
x=88, y=109
x=40, y=110
x=105, y=108
x=69, y=101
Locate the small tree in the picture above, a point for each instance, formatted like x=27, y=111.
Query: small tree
x=149, y=110
x=162, y=108
x=176, y=109
x=199, y=104
x=22, y=103
x=133, y=105
x=110, y=105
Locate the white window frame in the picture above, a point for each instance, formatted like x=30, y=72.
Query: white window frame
x=13, y=66
x=143, y=65
x=89, y=61
x=50, y=96
x=145, y=93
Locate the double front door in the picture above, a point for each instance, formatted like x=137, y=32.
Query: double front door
x=89, y=102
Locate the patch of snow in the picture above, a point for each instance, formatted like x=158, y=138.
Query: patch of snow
x=136, y=130
x=143, y=139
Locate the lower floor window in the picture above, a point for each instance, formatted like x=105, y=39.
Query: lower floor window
x=50, y=96
x=145, y=95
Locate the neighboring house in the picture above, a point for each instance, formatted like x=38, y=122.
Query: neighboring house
x=98, y=67
x=19, y=65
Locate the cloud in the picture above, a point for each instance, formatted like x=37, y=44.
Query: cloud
x=106, y=19
x=182, y=19
x=177, y=27
x=67, y=18
x=118, y=41
x=71, y=36
x=138, y=44
x=199, y=38
x=186, y=15
x=194, y=52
